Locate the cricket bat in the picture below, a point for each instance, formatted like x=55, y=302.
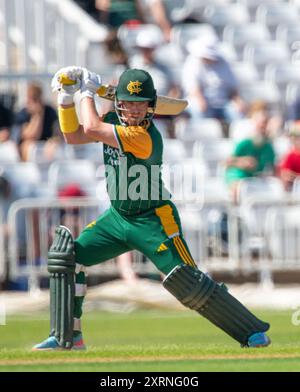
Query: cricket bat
x=164, y=105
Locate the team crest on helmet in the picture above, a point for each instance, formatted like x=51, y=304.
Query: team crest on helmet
x=134, y=87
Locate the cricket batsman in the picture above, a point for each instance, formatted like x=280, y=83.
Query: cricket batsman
x=145, y=220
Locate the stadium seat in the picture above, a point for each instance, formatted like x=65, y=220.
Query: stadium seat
x=185, y=179
x=178, y=10
x=240, y=35
x=260, y=188
x=203, y=129
x=292, y=91
x=8, y=152
x=252, y=5
x=81, y=172
x=240, y=129
x=213, y=153
x=289, y=34
x=127, y=34
x=261, y=90
x=214, y=188
x=266, y=52
x=296, y=57
x=196, y=7
x=245, y=72
x=267, y=192
x=183, y=33
x=296, y=188
x=170, y=55
x=282, y=145
x=271, y=15
x=227, y=50
x=25, y=178
x=89, y=151
x=62, y=151
x=282, y=227
x=221, y=15
x=174, y=150
x=282, y=74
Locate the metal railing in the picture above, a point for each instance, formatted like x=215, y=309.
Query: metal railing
x=32, y=223
x=274, y=236
x=41, y=35
x=218, y=237
x=37, y=37
x=2, y=246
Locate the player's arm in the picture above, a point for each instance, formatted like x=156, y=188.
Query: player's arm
x=67, y=81
x=133, y=139
x=93, y=126
x=73, y=132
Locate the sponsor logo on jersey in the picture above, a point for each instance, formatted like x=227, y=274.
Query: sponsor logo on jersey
x=113, y=155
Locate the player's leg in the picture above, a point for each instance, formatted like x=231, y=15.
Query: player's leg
x=158, y=235
x=61, y=266
x=99, y=241
x=165, y=246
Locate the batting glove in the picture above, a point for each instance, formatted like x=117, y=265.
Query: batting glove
x=67, y=81
x=90, y=83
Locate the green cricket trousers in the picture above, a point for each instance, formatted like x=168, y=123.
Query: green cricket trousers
x=156, y=233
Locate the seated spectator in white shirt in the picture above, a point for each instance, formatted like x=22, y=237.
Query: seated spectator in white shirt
x=147, y=45
x=210, y=84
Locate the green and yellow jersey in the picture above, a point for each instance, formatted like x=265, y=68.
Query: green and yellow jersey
x=133, y=171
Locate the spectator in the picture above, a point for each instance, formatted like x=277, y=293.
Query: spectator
x=70, y=216
x=115, y=50
x=289, y=167
x=155, y=12
x=38, y=121
x=117, y=12
x=89, y=6
x=210, y=84
x=162, y=77
x=294, y=109
x=6, y=121
x=254, y=156
x=145, y=59
x=5, y=195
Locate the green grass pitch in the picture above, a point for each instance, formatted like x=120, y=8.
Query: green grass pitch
x=150, y=341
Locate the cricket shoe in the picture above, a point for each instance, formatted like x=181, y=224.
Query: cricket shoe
x=51, y=343
x=259, y=339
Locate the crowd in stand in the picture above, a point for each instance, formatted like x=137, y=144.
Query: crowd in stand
x=207, y=80
x=212, y=91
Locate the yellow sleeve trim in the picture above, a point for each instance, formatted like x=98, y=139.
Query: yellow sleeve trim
x=68, y=120
x=135, y=139
x=167, y=220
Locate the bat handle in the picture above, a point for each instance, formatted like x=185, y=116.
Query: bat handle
x=64, y=79
x=104, y=91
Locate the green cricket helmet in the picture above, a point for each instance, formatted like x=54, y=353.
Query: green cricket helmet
x=135, y=85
